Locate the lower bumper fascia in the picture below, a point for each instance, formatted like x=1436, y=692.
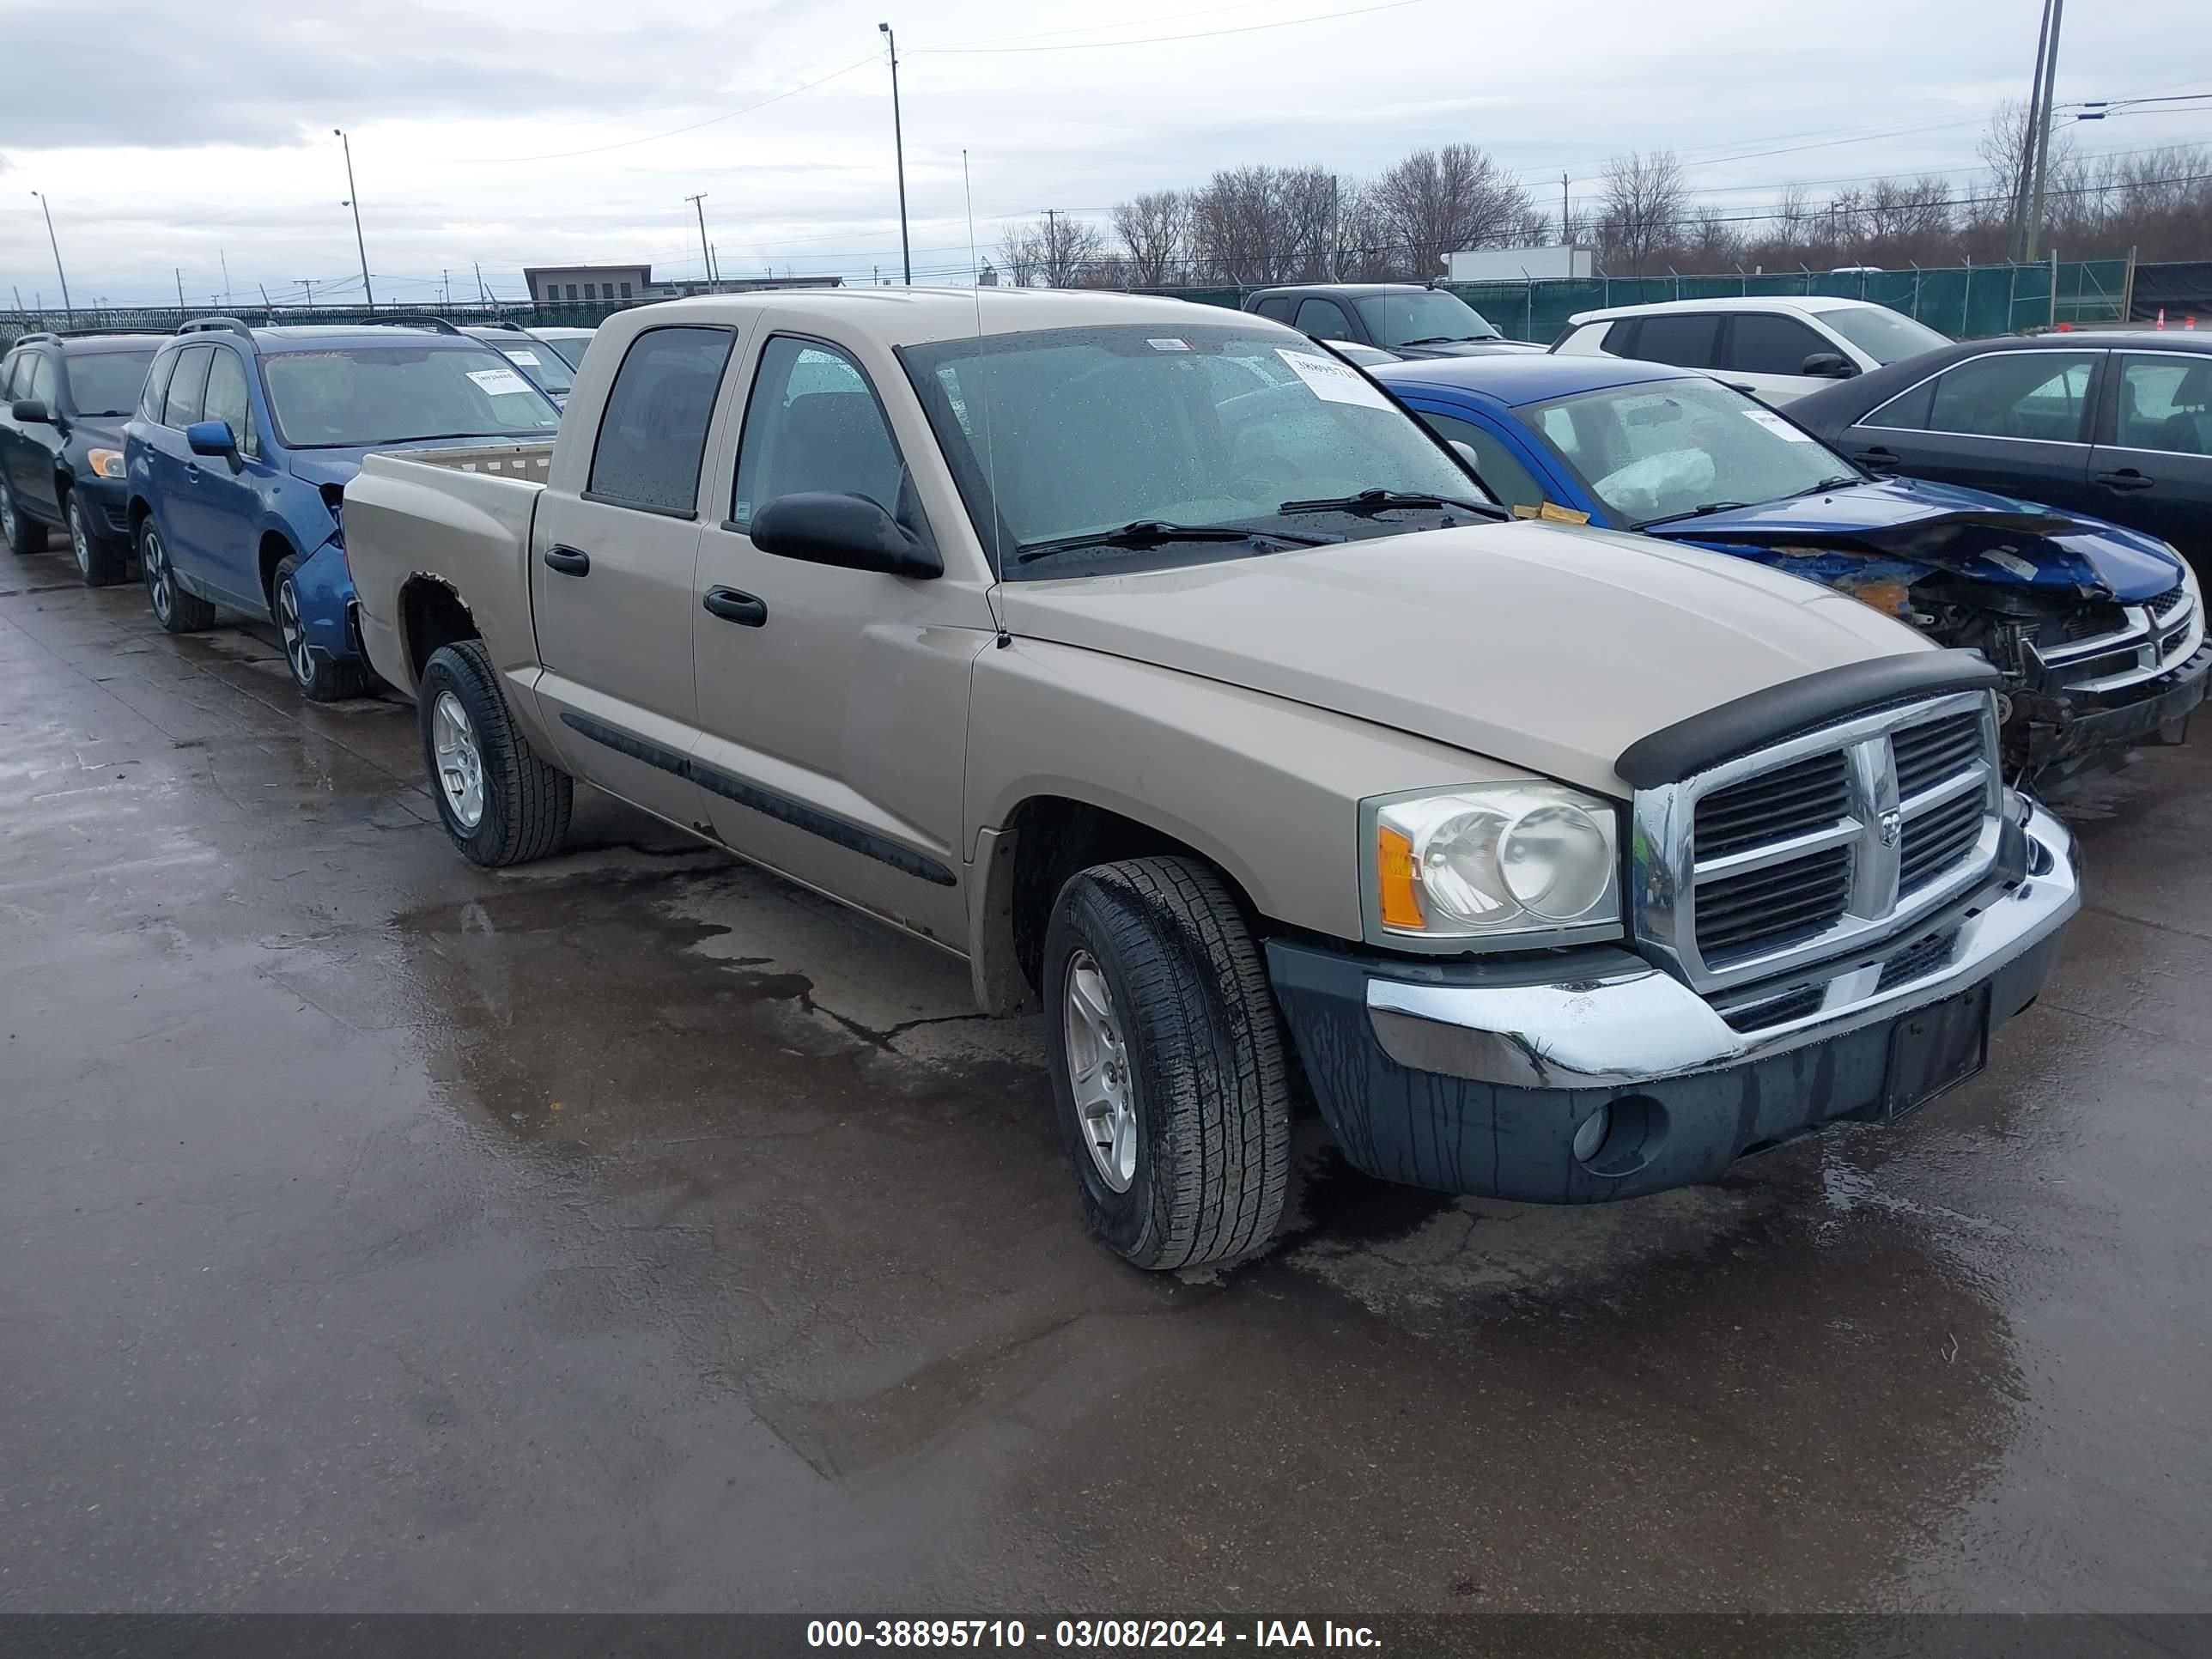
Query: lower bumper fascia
x=1476, y=1078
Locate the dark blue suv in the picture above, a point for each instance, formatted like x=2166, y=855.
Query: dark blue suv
x=238, y=459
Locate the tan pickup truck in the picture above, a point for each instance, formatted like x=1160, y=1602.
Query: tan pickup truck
x=1156, y=661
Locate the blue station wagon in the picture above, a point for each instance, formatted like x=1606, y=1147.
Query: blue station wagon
x=2099, y=630
x=238, y=459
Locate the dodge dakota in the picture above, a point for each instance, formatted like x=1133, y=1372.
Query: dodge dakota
x=1165, y=668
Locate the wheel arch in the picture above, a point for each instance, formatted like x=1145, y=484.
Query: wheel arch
x=275, y=548
x=431, y=613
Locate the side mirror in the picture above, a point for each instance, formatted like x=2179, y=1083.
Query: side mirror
x=849, y=531
x=32, y=412
x=1829, y=366
x=212, y=438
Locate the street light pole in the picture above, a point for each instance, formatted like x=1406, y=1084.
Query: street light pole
x=353, y=201
x=2043, y=132
x=67, y=311
x=898, y=146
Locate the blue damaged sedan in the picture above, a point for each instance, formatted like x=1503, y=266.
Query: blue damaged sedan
x=2098, y=631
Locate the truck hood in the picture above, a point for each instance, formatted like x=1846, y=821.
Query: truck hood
x=1535, y=645
x=1969, y=532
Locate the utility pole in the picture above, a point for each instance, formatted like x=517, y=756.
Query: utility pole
x=266, y=306
x=180, y=292
x=2023, y=176
x=67, y=310
x=353, y=201
x=482, y=293
x=2042, y=131
x=1051, y=245
x=444, y=289
x=224, y=260
x=898, y=149
x=705, y=255
x=308, y=283
x=1566, y=236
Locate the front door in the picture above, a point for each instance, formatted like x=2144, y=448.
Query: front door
x=32, y=462
x=612, y=577
x=834, y=702
x=2151, y=462
x=226, y=502
x=2015, y=422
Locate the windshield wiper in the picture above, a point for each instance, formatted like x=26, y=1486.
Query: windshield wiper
x=1698, y=511
x=1380, y=500
x=1842, y=480
x=1154, y=532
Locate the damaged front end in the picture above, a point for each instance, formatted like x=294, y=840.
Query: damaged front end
x=2100, y=634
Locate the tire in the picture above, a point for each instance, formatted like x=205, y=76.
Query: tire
x=320, y=676
x=1205, y=1157
x=521, y=803
x=22, y=533
x=99, y=562
x=177, y=611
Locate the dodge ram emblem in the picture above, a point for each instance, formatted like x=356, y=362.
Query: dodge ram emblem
x=1891, y=824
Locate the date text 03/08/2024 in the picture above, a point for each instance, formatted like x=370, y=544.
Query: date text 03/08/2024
x=1085, y=1633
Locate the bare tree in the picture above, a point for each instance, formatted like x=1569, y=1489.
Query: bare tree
x=1437, y=201
x=1246, y=225
x=1155, y=231
x=1056, y=249
x=1644, y=202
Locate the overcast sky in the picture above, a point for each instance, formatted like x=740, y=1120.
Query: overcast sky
x=166, y=136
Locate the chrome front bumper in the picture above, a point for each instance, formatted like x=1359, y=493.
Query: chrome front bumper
x=1631, y=1024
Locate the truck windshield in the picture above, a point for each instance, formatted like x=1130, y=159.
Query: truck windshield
x=1663, y=449
x=1068, y=433
x=354, y=397
x=107, y=382
x=1425, y=317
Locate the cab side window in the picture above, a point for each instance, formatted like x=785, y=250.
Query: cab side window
x=2166, y=403
x=1687, y=339
x=813, y=424
x=226, y=398
x=1762, y=343
x=8, y=367
x=653, y=433
x=1324, y=319
x=187, y=387
x=1509, y=480
x=1277, y=309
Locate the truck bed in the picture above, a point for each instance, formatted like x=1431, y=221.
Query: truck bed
x=528, y=461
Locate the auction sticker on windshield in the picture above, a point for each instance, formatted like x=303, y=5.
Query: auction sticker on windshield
x=499, y=381
x=1773, y=422
x=1332, y=381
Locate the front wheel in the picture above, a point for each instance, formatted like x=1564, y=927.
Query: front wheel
x=320, y=676
x=177, y=611
x=499, y=801
x=1167, y=1063
x=99, y=563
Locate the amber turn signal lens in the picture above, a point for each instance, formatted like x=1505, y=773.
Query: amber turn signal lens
x=1394, y=863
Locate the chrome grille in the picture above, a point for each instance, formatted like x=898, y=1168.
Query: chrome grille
x=1823, y=845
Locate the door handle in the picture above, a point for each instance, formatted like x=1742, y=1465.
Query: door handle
x=2126, y=478
x=568, y=561
x=730, y=606
x=192, y=473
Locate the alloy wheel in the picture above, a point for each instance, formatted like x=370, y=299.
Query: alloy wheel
x=160, y=592
x=1099, y=1072
x=7, y=516
x=460, y=762
x=294, y=631
x=80, y=542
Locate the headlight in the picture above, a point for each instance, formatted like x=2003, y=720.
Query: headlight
x=105, y=463
x=1520, y=863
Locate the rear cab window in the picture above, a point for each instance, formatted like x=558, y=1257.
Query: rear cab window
x=653, y=435
x=1685, y=339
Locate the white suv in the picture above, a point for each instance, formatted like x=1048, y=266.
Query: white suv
x=1773, y=348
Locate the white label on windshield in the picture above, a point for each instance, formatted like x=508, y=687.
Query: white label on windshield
x=1332, y=381
x=499, y=381
x=1775, y=423
x=1168, y=345
x=527, y=359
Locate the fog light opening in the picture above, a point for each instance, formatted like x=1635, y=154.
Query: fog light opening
x=1621, y=1136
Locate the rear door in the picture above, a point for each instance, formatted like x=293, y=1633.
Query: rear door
x=833, y=701
x=2151, y=465
x=2015, y=422
x=39, y=443
x=612, y=576
x=1687, y=339
x=176, y=471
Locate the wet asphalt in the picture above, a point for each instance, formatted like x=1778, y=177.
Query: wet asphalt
x=635, y=1231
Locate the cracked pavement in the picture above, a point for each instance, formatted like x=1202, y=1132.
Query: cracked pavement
x=636, y=1231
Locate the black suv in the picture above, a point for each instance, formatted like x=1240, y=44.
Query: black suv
x=1404, y=319
x=63, y=399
